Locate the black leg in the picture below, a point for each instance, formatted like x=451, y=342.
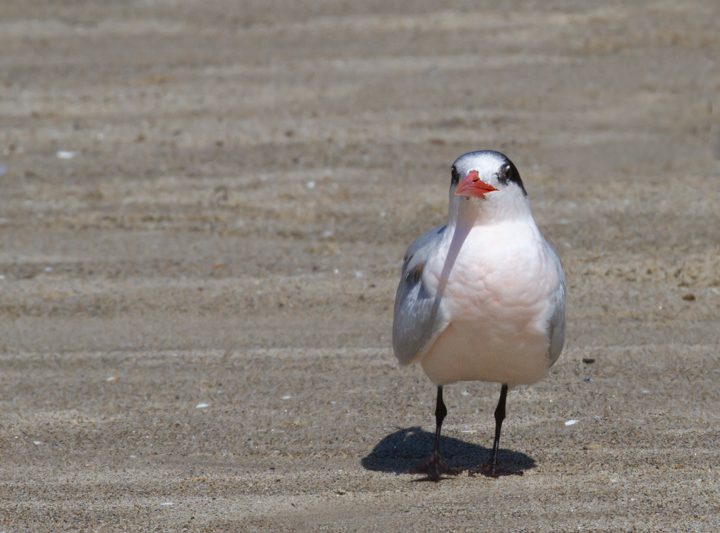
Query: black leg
x=435, y=466
x=440, y=414
x=491, y=468
x=499, y=417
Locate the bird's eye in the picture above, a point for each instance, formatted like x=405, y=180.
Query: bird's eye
x=504, y=174
x=455, y=176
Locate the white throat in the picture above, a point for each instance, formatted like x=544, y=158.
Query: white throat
x=495, y=208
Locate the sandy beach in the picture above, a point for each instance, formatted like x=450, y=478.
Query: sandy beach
x=203, y=212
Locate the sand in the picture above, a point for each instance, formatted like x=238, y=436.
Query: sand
x=203, y=212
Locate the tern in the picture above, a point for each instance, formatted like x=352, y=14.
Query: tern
x=481, y=298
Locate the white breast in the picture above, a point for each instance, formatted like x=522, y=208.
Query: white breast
x=497, y=302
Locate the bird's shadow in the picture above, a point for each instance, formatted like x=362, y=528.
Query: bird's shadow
x=401, y=451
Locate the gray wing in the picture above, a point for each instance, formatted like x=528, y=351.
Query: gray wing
x=556, y=329
x=415, y=322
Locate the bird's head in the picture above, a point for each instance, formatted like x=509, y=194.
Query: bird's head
x=486, y=184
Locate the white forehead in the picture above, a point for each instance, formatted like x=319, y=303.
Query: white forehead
x=484, y=162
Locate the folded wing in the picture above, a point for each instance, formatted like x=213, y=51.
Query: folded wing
x=556, y=328
x=416, y=322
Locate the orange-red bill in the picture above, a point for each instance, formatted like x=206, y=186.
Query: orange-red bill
x=472, y=185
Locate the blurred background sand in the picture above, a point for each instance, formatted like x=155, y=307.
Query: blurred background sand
x=203, y=210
